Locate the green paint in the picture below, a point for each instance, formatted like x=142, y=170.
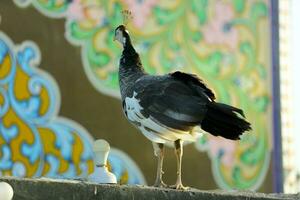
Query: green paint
x=239, y=5
x=171, y=23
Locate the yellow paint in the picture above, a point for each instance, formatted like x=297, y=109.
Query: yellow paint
x=48, y=139
x=21, y=85
x=46, y=169
x=124, y=177
x=6, y=173
x=45, y=101
x=44, y=135
x=2, y=100
x=2, y=142
x=5, y=66
x=90, y=165
x=77, y=151
x=25, y=135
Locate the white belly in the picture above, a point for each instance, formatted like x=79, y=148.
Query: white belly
x=150, y=127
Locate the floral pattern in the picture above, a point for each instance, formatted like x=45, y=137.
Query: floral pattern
x=219, y=30
x=225, y=42
x=34, y=141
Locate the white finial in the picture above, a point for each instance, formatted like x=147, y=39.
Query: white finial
x=101, y=149
x=101, y=174
x=6, y=191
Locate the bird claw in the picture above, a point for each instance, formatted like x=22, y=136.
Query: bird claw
x=160, y=184
x=178, y=186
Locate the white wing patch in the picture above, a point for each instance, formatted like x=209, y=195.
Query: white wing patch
x=152, y=129
x=179, y=116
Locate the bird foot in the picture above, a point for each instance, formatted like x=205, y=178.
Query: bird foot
x=160, y=184
x=178, y=186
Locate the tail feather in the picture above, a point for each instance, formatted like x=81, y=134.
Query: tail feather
x=223, y=120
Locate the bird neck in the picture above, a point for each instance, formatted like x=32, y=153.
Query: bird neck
x=130, y=60
x=128, y=49
x=130, y=68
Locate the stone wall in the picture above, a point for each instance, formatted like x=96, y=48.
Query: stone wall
x=53, y=189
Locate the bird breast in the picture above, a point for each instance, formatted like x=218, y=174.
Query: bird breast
x=151, y=128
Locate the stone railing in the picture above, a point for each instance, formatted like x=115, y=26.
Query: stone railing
x=54, y=189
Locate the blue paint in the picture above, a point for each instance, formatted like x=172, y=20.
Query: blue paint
x=8, y=133
x=5, y=161
x=28, y=113
x=277, y=142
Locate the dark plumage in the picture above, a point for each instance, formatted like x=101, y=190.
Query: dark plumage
x=168, y=108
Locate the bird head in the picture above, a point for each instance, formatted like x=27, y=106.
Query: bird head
x=121, y=34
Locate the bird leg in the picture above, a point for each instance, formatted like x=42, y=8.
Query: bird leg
x=178, y=153
x=159, y=153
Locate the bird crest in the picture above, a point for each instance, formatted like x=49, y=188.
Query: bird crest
x=127, y=16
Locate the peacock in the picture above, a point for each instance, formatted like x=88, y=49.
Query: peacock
x=170, y=108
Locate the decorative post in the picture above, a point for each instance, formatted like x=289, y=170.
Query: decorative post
x=101, y=174
x=6, y=191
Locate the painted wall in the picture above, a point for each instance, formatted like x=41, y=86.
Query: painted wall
x=227, y=43
x=34, y=140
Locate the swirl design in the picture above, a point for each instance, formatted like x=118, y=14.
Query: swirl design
x=34, y=141
x=224, y=42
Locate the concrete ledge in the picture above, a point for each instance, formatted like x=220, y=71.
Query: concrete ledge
x=53, y=189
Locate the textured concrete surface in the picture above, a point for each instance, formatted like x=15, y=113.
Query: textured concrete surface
x=53, y=189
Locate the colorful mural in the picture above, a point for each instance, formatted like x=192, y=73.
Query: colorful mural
x=225, y=42
x=34, y=141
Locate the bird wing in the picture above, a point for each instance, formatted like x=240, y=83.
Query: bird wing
x=176, y=100
x=194, y=81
